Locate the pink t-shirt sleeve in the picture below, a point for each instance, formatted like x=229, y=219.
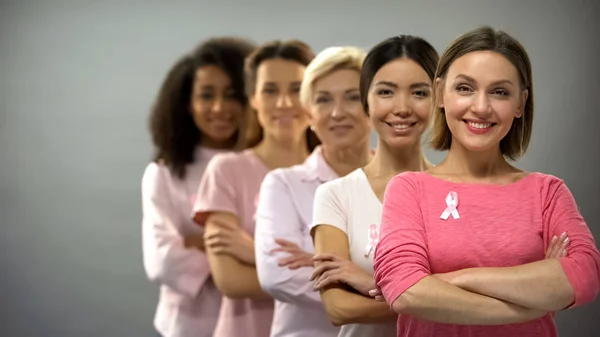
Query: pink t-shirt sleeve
x=401, y=256
x=216, y=192
x=582, y=264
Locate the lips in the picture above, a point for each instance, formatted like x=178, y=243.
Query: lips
x=401, y=125
x=479, y=125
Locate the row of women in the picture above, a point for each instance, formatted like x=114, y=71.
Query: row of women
x=267, y=213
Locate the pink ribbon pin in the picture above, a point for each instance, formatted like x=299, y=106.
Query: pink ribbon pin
x=373, y=239
x=452, y=204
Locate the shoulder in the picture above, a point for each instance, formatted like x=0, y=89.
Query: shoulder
x=227, y=158
x=156, y=173
x=228, y=162
x=343, y=183
x=549, y=186
x=156, y=178
x=544, y=179
x=407, y=180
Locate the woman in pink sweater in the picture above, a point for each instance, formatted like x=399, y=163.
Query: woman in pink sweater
x=462, y=245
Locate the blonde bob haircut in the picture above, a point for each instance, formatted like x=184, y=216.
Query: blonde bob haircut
x=326, y=62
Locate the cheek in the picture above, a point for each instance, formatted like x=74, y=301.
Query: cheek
x=422, y=109
x=456, y=106
x=505, y=110
x=379, y=106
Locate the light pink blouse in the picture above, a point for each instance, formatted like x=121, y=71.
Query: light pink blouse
x=189, y=301
x=231, y=184
x=285, y=211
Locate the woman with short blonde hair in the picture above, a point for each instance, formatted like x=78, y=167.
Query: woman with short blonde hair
x=284, y=249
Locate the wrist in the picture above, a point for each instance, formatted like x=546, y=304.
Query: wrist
x=460, y=278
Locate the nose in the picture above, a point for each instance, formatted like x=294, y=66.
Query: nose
x=402, y=106
x=338, y=112
x=481, y=104
x=217, y=105
x=284, y=101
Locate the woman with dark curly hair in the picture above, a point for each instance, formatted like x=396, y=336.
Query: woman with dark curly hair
x=201, y=110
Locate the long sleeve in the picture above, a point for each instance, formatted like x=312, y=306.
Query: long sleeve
x=278, y=217
x=582, y=263
x=166, y=260
x=401, y=258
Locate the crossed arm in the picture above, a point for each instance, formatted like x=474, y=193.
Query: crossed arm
x=341, y=304
x=478, y=296
x=233, y=278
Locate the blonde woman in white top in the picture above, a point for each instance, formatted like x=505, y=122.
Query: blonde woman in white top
x=395, y=91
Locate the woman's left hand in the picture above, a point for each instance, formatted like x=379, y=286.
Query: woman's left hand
x=231, y=240
x=297, y=257
x=331, y=269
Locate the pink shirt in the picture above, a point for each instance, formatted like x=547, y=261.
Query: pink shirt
x=189, y=301
x=285, y=211
x=231, y=184
x=494, y=225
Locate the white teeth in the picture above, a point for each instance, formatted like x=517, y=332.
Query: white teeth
x=401, y=126
x=479, y=125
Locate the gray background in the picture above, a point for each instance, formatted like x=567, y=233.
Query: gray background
x=76, y=82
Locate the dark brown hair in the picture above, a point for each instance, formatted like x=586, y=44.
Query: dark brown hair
x=291, y=50
x=402, y=46
x=515, y=143
x=174, y=133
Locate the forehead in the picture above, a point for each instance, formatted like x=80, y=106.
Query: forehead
x=342, y=79
x=484, y=66
x=279, y=70
x=403, y=72
x=211, y=75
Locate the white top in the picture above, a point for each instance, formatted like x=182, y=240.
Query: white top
x=350, y=204
x=285, y=208
x=189, y=300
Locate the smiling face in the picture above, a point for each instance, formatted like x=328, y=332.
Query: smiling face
x=399, y=102
x=276, y=98
x=215, y=109
x=482, y=95
x=336, y=112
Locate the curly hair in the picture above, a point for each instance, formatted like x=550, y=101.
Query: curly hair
x=174, y=133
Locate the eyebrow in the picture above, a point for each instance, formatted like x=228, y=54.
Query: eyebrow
x=472, y=80
x=412, y=86
x=325, y=92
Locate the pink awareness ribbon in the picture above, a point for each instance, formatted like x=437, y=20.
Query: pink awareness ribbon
x=452, y=204
x=373, y=239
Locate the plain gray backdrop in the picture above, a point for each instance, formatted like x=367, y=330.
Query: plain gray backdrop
x=77, y=79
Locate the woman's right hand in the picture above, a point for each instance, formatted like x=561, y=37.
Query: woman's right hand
x=557, y=247
x=331, y=269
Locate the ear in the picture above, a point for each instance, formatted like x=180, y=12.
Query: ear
x=439, y=93
x=252, y=101
x=523, y=101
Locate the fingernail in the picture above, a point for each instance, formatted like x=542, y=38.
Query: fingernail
x=554, y=238
x=566, y=241
x=563, y=234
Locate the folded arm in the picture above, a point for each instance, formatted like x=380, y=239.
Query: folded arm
x=402, y=269
x=342, y=305
x=232, y=277
x=278, y=218
x=551, y=284
x=166, y=259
